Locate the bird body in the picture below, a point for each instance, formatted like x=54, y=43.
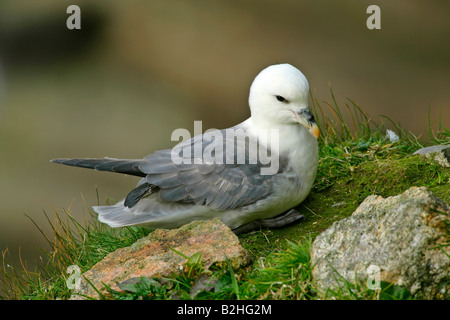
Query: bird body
x=178, y=187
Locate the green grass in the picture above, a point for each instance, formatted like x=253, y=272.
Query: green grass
x=71, y=243
x=356, y=160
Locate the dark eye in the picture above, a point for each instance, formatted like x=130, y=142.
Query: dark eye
x=281, y=99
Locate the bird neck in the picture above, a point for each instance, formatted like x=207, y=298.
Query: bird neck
x=290, y=136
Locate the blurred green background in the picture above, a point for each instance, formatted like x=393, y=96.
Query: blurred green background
x=137, y=70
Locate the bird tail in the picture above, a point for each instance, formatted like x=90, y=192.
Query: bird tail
x=125, y=166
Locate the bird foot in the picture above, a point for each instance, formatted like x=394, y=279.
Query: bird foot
x=281, y=220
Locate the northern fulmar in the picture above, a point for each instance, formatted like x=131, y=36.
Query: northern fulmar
x=250, y=175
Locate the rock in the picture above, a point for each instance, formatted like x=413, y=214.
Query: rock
x=152, y=256
x=404, y=236
x=439, y=153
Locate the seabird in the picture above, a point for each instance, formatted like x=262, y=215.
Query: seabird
x=178, y=187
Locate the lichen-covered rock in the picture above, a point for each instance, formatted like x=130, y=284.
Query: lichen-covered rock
x=439, y=153
x=153, y=256
x=404, y=236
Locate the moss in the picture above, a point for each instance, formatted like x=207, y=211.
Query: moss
x=384, y=176
x=390, y=177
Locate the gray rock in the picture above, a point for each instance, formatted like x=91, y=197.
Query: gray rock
x=156, y=256
x=404, y=236
x=439, y=153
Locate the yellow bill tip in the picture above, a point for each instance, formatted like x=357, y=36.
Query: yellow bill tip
x=315, y=131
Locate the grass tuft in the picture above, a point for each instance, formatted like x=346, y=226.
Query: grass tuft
x=71, y=243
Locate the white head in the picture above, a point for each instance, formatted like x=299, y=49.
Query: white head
x=279, y=95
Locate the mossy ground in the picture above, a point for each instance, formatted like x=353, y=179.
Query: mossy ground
x=353, y=164
x=386, y=175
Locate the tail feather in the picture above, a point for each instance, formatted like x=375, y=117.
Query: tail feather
x=124, y=166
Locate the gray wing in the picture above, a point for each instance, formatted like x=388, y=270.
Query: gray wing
x=218, y=182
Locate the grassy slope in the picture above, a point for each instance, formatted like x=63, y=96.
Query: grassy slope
x=336, y=197
x=354, y=163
